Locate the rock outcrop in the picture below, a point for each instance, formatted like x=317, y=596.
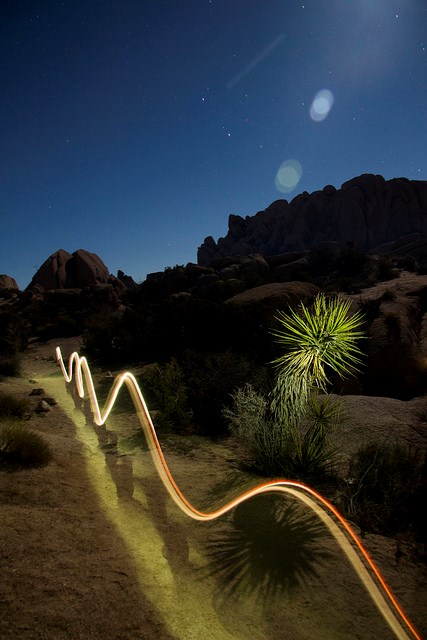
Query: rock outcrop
x=396, y=316
x=368, y=213
x=63, y=270
x=7, y=282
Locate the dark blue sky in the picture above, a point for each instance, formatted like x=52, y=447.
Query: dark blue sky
x=133, y=128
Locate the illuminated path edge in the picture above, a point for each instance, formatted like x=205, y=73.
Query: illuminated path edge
x=368, y=573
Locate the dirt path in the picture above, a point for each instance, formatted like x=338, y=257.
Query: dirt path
x=92, y=547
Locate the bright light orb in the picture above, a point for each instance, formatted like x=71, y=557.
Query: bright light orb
x=288, y=176
x=321, y=105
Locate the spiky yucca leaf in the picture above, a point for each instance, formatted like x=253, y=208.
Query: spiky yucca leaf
x=322, y=336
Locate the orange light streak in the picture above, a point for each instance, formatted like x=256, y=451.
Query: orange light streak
x=343, y=534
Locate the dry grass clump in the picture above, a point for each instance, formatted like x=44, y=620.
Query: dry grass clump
x=21, y=447
x=10, y=406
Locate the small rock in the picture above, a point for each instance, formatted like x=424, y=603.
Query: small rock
x=37, y=392
x=42, y=407
x=50, y=401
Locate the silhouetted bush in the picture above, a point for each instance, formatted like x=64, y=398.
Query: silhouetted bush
x=10, y=365
x=392, y=372
x=167, y=394
x=14, y=334
x=351, y=262
x=211, y=379
x=408, y=263
x=384, y=269
x=385, y=490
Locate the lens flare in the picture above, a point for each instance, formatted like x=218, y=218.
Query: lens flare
x=344, y=535
x=288, y=175
x=321, y=105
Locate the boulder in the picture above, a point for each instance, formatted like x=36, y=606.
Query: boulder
x=63, y=270
x=396, y=349
x=52, y=274
x=7, y=282
x=278, y=295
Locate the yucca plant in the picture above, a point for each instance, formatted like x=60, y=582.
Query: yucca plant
x=320, y=339
x=317, y=340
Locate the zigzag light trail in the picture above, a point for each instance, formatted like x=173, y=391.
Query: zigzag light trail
x=367, y=571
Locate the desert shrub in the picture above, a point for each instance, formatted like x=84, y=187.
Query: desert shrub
x=321, y=261
x=14, y=332
x=10, y=365
x=394, y=373
x=384, y=269
x=166, y=391
x=406, y=262
x=109, y=338
x=314, y=456
x=211, y=378
x=10, y=406
x=250, y=421
x=21, y=447
x=385, y=492
x=304, y=454
x=351, y=262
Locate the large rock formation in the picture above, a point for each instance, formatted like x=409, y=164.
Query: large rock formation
x=63, y=270
x=368, y=212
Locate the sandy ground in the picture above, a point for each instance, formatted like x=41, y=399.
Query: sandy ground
x=92, y=547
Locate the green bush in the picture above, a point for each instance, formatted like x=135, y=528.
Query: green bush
x=10, y=406
x=20, y=447
x=385, y=492
x=304, y=454
x=249, y=420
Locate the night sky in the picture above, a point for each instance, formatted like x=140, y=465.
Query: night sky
x=133, y=128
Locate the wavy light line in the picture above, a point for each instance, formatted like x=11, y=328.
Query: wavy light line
x=343, y=534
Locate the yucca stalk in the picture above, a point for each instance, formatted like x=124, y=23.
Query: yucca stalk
x=321, y=337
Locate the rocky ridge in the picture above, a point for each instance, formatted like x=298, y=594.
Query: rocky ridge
x=384, y=217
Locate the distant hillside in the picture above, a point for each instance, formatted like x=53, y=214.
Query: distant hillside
x=368, y=213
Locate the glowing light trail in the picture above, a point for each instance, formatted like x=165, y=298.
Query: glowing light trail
x=384, y=600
